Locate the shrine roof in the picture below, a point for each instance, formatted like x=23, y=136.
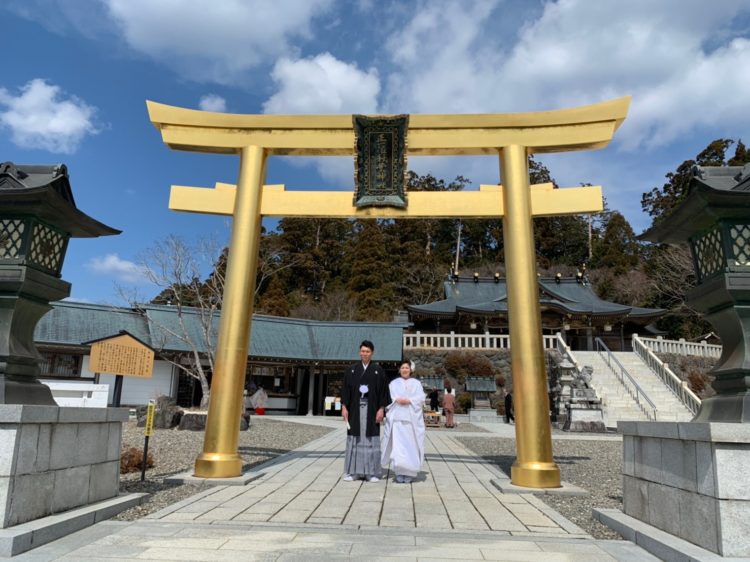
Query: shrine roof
x=489, y=297
x=72, y=323
x=481, y=384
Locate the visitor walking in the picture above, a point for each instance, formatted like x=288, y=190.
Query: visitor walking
x=364, y=395
x=509, y=407
x=433, y=399
x=449, y=406
x=403, y=436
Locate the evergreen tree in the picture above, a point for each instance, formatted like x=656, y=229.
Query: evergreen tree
x=560, y=240
x=618, y=247
x=670, y=268
x=313, y=250
x=741, y=155
x=369, y=263
x=274, y=300
x=659, y=202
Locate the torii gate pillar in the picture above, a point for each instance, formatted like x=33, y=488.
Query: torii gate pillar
x=534, y=466
x=512, y=137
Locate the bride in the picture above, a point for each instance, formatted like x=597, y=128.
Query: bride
x=403, y=436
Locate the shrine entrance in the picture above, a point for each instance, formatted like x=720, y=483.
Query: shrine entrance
x=380, y=145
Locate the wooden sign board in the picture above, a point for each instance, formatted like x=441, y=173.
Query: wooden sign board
x=122, y=355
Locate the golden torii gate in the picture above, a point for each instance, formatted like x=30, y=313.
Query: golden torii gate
x=512, y=137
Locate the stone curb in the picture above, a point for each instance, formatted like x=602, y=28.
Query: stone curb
x=20, y=538
x=659, y=543
x=565, y=489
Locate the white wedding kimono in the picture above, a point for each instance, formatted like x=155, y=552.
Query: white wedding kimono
x=403, y=436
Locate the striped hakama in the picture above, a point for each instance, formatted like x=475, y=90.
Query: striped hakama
x=363, y=453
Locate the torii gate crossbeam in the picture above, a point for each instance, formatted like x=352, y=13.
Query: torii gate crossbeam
x=510, y=137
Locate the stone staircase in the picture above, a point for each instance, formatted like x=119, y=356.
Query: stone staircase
x=618, y=404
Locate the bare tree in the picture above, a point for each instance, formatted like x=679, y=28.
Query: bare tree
x=672, y=276
x=177, y=269
x=191, y=282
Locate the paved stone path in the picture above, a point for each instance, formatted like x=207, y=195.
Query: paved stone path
x=300, y=509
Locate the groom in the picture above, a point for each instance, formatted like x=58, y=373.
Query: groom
x=364, y=396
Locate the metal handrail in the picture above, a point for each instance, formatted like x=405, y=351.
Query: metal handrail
x=678, y=387
x=635, y=391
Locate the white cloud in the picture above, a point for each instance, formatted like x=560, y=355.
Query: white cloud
x=322, y=84
x=213, y=102
x=683, y=64
x=215, y=41
x=42, y=116
x=112, y=265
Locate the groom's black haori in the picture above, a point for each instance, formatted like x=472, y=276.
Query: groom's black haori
x=363, y=394
x=377, y=395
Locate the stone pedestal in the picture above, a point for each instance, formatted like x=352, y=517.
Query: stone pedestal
x=196, y=421
x=584, y=418
x=483, y=415
x=584, y=412
x=55, y=459
x=690, y=480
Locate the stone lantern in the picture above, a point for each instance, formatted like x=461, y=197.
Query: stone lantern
x=714, y=218
x=38, y=216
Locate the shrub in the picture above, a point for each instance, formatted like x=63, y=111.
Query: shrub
x=479, y=365
x=463, y=401
x=455, y=365
x=698, y=382
x=131, y=460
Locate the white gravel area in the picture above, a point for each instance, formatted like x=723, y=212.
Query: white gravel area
x=594, y=465
x=174, y=451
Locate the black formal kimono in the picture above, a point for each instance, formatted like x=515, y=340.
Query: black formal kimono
x=364, y=392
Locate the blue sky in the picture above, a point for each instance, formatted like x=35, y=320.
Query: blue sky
x=76, y=75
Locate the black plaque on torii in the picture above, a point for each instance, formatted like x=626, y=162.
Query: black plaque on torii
x=380, y=160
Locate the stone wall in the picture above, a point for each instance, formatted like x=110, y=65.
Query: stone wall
x=53, y=459
x=431, y=362
x=688, y=479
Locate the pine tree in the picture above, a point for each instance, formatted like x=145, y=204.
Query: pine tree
x=370, y=281
x=274, y=300
x=618, y=247
x=659, y=202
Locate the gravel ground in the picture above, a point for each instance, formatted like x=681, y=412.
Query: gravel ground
x=593, y=465
x=175, y=451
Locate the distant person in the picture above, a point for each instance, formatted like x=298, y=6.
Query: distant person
x=434, y=399
x=509, y=407
x=449, y=407
x=364, y=396
x=403, y=436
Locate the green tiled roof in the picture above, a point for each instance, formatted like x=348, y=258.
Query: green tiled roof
x=72, y=323
x=428, y=383
x=481, y=384
x=489, y=298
